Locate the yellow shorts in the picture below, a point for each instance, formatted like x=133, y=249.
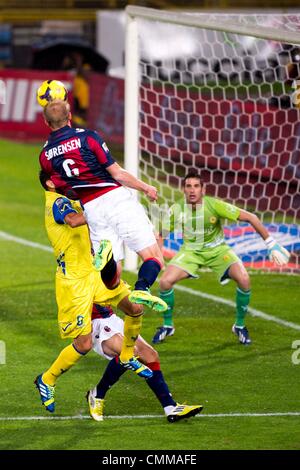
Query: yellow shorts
x=75, y=298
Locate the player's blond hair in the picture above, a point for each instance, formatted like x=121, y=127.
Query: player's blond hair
x=57, y=114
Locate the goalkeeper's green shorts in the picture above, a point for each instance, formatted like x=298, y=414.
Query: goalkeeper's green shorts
x=218, y=259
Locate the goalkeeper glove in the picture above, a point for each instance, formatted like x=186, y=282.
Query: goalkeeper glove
x=277, y=253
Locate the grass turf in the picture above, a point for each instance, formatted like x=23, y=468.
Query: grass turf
x=202, y=362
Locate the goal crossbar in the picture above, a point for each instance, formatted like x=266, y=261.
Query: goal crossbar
x=190, y=19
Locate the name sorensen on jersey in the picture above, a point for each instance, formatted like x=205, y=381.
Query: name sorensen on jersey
x=63, y=148
x=78, y=158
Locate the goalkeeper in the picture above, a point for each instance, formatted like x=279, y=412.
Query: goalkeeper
x=199, y=219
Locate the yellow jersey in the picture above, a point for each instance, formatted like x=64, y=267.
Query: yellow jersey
x=72, y=246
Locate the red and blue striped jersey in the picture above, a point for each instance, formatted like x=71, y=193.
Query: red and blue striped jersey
x=77, y=160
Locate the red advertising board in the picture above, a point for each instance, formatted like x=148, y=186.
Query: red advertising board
x=20, y=115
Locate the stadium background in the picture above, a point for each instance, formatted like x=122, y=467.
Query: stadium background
x=258, y=381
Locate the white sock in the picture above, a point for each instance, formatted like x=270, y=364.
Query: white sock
x=168, y=409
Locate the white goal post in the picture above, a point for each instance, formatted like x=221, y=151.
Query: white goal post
x=219, y=93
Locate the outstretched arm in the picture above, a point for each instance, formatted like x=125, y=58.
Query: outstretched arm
x=276, y=252
x=252, y=219
x=125, y=178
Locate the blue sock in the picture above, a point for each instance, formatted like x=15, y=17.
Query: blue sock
x=160, y=388
x=147, y=274
x=112, y=373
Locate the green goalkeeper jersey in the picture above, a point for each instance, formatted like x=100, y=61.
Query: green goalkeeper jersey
x=201, y=228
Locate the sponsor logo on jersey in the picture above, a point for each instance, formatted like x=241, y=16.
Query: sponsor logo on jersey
x=63, y=148
x=64, y=328
x=231, y=208
x=105, y=148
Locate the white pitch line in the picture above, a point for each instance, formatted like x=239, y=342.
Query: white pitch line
x=217, y=415
x=22, y=241
x=254, y=312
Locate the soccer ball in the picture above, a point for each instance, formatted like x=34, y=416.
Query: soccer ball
x=51, y=90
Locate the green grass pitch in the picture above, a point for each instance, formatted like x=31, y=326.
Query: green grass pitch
x=202, y=363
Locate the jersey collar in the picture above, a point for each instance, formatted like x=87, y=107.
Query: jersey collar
x=58, y=132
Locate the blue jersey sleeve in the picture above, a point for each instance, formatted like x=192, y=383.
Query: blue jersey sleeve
x=61, y=207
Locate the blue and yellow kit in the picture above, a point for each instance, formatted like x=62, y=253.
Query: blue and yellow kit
x=78, y=284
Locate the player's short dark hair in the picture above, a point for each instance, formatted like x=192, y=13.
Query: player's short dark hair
x=192, y=174
x=44, y=176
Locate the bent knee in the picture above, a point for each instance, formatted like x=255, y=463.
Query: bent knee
x=146, y=353
x=166, y=283
x=151, y=354
x=155, y=355
x=83, y=346
x=244, y=282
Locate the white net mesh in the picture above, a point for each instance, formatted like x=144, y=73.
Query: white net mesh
x=227, y=105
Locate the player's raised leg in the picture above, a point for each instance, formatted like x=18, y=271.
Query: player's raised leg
x=148, y=272
x=129, y=224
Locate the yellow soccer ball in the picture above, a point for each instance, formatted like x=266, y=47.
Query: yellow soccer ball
x=51, y=90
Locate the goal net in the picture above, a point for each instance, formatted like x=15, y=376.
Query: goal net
x=219, y=93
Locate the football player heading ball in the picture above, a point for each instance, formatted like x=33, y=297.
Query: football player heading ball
x=79, y=161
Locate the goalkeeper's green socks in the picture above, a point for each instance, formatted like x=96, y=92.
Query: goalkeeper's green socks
x=242, y=303
x=168, y=297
